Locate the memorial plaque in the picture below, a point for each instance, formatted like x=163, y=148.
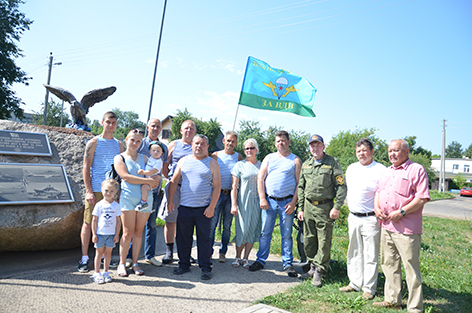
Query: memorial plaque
x=22, y=183
x=15, y=142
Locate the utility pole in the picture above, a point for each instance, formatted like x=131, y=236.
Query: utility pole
x=442, y=173
x=46, y=98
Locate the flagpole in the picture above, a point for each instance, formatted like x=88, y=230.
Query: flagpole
x=236, y=116
x=155, y=64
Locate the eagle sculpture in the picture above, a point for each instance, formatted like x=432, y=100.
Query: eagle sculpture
x=80, y=109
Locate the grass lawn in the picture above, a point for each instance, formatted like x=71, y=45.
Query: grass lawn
x=446, y=269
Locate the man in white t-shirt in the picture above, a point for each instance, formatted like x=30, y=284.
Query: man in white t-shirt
x=362, y=179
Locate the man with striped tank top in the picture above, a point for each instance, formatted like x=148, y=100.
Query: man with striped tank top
x=200, y=188
x=226, y=158
x=177, y=149
x=277, y=187
x=98, y=158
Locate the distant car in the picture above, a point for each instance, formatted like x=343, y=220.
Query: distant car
x=466, y=191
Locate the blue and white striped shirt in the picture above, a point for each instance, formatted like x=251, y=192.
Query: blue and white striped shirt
x=281, y=180
x=105, y=152
x=197, y=182
x=226, y=163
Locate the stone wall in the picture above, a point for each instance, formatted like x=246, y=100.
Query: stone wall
x=46, y=226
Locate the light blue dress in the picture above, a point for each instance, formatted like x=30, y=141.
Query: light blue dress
x=248, y=221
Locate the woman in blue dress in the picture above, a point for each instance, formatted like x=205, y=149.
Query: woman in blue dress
x=245, y=203
x=133, y=220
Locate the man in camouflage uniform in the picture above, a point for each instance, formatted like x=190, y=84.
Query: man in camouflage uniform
x=321, y=180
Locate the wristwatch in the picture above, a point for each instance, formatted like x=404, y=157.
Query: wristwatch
x=402, y=212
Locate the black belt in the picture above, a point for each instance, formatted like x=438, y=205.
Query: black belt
x=280, y=199
x=363, y=214
x=320, y=202
x=225, y=191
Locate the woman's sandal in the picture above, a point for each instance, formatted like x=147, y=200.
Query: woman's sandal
x=121, y=271
x=245, y=263
x=137, y=271
x=236, y=262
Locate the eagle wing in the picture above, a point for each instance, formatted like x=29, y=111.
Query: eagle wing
x=96, y=95
x=61, y=93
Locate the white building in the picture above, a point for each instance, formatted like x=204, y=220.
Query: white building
x=452, y=168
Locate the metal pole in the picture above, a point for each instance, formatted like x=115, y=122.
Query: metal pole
x=442, y=176
x=45, y=114
x=62, y=112
x=157, y=60
x=235, y=116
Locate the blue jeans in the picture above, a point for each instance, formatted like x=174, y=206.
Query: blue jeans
x=223, y=207
x=151, y=231
x=268, y=223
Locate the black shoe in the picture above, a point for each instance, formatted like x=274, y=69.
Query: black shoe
x=255, y=266
x=167, y=259
x=192, y=260
x=290, y=271
x=180, y=271
x=206, y=276
x=82, y=267
x=113, y=263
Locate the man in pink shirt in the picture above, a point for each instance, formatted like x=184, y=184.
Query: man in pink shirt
x=399, y=202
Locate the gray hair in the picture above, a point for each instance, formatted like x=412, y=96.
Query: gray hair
x=202, y=137
x=232, y=133
x=254, y=143
x=403, y=143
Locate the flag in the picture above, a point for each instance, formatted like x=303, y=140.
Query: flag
x=269, y=88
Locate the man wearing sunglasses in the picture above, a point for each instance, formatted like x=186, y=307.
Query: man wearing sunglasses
x=226, y=158
x=154, y=128
x=98, y=158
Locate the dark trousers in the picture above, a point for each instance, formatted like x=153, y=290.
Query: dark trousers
x=187, y=220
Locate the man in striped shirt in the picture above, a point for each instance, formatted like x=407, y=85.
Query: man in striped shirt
x=277, y=187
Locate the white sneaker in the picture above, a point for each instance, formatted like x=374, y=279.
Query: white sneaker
x=97, y=277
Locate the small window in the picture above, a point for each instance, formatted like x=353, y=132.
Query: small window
x=165, y=133
x=455, y=166
x=466, y=168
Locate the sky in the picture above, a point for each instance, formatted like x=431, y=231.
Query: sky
x=399, y=67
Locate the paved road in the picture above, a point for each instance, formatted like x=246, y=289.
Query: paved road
x=48, y=281
x=458, y=208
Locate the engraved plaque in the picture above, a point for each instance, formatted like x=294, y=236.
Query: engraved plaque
x=15, y=142
x=22, y=183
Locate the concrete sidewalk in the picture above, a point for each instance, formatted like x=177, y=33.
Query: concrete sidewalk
x=48, y=281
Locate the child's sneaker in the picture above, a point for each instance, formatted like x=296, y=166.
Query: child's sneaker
x=106, y=277
x=97, y=277
x=141, y=206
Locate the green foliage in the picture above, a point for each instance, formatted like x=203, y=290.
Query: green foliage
x=12, y=25
x=211, y=129
x=436, y=195
x=445, y=258
x=426, y=162
x=342, y=147
x=468, y=152
x=460, y=180
x=266, y=139
x=454, y=150
x=128, y=120
x=54, y=115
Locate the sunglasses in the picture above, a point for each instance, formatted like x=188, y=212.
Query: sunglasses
x=249, y=148
x=136, y=131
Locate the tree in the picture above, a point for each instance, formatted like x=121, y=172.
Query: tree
x=266, y=139
x=128, y=120
x=211, y=129
x=468, y=152
x=342, y=147
x=454, y=150
x=54, y=115
x=460, y=180
x=12, y=25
